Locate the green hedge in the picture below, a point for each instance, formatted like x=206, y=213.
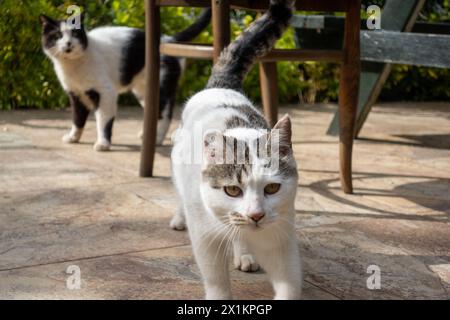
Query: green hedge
x=27, y=78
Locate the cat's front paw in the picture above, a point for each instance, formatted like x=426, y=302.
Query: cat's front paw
x=71, y=137
x=102, y=146
x=246, y=263
x=178, y=223
x=160, y=139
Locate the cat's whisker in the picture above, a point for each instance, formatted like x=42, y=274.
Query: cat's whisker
x=288, y=222
x=225, y=237
x=230, y=241
x=217, y=232
x=283, y=233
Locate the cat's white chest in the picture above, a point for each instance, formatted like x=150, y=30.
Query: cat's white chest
x=73, y=76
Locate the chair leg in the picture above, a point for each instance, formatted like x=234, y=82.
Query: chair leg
x=221, y=25
x=269, y=90
x=348, y=94
x=152, y=91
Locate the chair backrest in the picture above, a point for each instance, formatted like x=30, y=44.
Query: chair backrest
x=306, y=5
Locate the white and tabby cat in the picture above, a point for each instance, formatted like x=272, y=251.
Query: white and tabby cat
x=237, y=203
x=95, y=67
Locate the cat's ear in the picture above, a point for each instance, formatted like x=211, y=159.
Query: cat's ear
x=47, y=21
x=213, y=141
x=283, y=132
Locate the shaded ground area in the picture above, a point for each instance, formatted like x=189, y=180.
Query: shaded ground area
x=63, y=205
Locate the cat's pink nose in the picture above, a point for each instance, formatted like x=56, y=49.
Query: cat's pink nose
x=256, y=216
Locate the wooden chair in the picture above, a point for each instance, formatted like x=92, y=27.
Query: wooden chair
x=348, y=57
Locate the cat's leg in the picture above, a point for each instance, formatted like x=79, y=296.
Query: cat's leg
x=283, y=266
x=139, y=94
x=178, y=221
x=211, y=258
x=243, y=259
x=80, y=114
x=105, y=115
x=170, y=73
x=164, y=118
x=164, y=122
x=168, y=78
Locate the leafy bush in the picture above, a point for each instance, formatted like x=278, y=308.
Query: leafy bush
x=27, y=78
x=418, y=83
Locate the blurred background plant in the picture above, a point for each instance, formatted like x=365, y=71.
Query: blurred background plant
x=27, y=78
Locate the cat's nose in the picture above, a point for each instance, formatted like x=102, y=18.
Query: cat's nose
x=257, y=216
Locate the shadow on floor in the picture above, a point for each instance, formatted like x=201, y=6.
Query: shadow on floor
x=431, y=194
x=435, y=141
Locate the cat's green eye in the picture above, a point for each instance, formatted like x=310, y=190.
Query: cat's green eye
x=233, y=191
x=272, y=188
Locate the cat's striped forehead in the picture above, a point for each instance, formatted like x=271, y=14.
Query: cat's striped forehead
x=243, y=160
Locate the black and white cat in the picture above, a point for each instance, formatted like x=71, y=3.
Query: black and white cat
x=95, y=67
x=237, y=178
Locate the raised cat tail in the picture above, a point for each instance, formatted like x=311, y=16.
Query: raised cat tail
x=194, y=29
x=259, y=38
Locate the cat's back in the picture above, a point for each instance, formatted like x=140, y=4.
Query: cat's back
x=121, y=50
x=114, y=36
x=210, y=107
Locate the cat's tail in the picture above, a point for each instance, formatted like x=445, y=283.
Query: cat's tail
x=258, y=39
x=194, y=29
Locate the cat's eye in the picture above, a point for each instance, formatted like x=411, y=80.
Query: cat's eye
x=233, y=191
x=57, y=35
x=272, y=188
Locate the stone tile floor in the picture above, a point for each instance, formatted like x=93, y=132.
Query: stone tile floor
x=63, y=205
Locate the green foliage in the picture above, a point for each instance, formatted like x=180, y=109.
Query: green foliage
x=27, y=78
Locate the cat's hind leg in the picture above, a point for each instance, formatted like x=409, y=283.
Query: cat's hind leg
x=164, y=123
x=105, y=116
x=242, y=258
x=169, y=75
x=80, y=114
x=139, y=94
x=164, y=120
x=178, y=221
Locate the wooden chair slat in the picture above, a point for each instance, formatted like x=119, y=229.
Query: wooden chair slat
x=206, y=52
